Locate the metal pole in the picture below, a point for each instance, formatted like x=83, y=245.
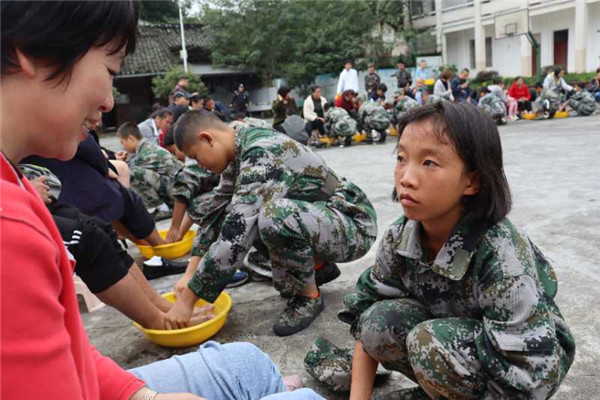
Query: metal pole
x=183, y=50
x=536, y=47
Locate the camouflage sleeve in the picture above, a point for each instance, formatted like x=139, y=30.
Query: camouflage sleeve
x=260, y=179
x=378, y=282
x=517, y=343
x=192, y=181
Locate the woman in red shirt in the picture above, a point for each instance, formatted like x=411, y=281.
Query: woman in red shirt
x=520, y=92
x=65, y=54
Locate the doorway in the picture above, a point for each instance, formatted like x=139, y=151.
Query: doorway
x=561, y=48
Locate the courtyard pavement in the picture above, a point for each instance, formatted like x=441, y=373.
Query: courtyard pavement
x=553, y=168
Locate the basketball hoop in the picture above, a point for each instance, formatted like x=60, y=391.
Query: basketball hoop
x=512, y=23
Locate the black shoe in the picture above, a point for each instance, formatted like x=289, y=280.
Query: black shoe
x=168, y=267
x=348, y=141
x=298, y=314
x=328, y=273
x=382, y=137
x=368, y=140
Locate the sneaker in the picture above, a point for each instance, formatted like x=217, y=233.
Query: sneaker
x=157, y=267
x=329, y=272
x=238, y=279
x=298, y=314
x=348, y=141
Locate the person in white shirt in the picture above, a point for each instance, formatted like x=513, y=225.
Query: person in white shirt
x=348, y=79
x=160, y=120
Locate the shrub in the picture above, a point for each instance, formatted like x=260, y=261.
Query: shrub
x=163, y=85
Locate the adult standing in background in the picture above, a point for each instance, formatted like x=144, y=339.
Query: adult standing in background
x=421, y=71
x=182, y=85
x=159, y=121
x=348, y=79
x=402, y=76
x=314, y=111
x=240, y=101
x=372, y=80
x=181, y=104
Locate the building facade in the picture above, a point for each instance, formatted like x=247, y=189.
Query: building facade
x=568, y=32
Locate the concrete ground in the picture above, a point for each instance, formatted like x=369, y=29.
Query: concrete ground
x=553, y=168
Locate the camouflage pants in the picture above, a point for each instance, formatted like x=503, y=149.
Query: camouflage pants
x=296, y=232
x=583, y=108
x=440, y=354
x=379, y=123
x=152, y=188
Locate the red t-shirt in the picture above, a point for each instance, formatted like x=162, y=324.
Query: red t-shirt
x=517, y=92
x=44, y=349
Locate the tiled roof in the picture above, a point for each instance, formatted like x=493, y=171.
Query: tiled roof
x=158, y=46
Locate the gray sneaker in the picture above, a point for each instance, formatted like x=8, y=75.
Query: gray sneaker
x=298, y=314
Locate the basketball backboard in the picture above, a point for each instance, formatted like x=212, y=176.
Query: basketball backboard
x=511, y=23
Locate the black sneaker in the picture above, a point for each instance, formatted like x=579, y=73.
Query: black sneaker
x=328, y=273
x=348, y=141
x=153, y=270
x=298, y=314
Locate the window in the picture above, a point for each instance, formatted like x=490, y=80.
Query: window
x=488, y=52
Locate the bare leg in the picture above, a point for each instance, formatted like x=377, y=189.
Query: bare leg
x=127, y=297
x=154, y=239
x=160, y=302
x=189, y=273
x=122, y=171
x=310, y=290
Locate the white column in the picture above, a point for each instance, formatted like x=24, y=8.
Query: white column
x=444, y=49
x=438, y=27
x=581, y=27
x=479, y=37
x=526, y=56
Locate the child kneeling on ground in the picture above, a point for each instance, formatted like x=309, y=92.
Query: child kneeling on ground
x=277, y=190
x=459, y=300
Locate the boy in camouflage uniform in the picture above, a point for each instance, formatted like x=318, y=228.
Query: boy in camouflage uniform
x=582, y=101
x=429, y=99
x=339, y=124
x=372, y=116
x=549, y=102
x=152, y=167
x=467, y=311
x=492, y=105
x=277, y=190
x=403, y=104
x=372, y=79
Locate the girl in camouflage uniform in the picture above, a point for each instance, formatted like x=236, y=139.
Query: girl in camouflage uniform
x=459, y=300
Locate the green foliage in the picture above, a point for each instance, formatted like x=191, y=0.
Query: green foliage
x=162, y=86
x=293, y=39
x=483, y=76
x=164, y=11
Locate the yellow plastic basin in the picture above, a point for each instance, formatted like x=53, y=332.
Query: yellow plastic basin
x=171, y=250
x=194, y=334
x=530, y=116
x=359, y=137
x=392, y=132
x=562, y=114
x=429, y=81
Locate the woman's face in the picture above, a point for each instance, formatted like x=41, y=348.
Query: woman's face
x=519, y=82
x=317, y=94
x=57, y=127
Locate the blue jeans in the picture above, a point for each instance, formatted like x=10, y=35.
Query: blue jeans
x=597, y=96
x=234, y=371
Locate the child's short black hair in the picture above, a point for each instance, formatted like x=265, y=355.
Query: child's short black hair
x=539, y=85
x=496, y=81
x=382, y=87
x=62, y=32
x=129, y=129
x=161, y=113
x=477, y=142
x=284, y=90
x=483, y=90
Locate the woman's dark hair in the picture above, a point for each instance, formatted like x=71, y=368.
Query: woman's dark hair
x=517, y=78
x=382, y=87
x=447, y=74
x=496, y=81
x=315, y=88
x=60, y=33
x=557, y=71
x=477, y=142
x=284, y=90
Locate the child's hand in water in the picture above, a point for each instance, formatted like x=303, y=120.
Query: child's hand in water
x=172, y=235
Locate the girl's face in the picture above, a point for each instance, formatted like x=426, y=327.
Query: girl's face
x=519, y=82
x=430, y=176
x=57, y=127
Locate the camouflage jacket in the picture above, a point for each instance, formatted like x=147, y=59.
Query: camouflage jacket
x=192, y=180
x=583, y=102
x=402, y=78
x=339, y=122
x=403, y=106
x=372, y=115
x=372, y=80
x=495, y=275
x=433, y=99
x=150, y=156
x=268, y=165
x=493, y=105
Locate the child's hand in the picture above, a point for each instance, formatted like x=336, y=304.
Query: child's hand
x=172, y=234
x=121, y=155
x=179, y=316
x=43, y=190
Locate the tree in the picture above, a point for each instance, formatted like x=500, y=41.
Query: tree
x=292, y=39
x=164, y=11
x=162, y=86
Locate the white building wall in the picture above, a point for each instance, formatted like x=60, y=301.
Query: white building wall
x=546, y=25
x=507, y=56
x=593, y=38
x=458, y=48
